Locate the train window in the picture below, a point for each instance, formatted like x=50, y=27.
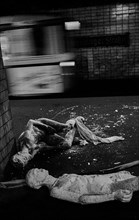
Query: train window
x=48, y=40
x=34, y=41
x=38, y=40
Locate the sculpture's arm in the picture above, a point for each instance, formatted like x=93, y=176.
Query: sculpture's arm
x=122, y=195
x=44, y=127
x=90, y=199
x=58, y=126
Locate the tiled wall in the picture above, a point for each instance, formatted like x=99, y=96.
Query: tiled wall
x=6, y=132
x=109, y=60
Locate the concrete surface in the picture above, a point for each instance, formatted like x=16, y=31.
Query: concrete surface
x=107, y=116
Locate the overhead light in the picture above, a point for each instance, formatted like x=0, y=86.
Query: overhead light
x=68, y=63
x=72, y=25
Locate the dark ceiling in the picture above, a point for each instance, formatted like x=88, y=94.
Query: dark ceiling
x=12, y=7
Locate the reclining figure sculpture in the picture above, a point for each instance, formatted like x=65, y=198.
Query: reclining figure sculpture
x=86, y=189
x=46, y=133
x=83, y=189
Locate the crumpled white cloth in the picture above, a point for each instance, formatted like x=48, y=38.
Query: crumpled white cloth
x=89, y=136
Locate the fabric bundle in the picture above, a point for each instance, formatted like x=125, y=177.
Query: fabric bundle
x=89, y=136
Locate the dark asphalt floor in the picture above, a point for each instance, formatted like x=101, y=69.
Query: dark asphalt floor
x=106, y=116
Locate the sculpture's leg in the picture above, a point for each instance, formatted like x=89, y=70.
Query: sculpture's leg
x=69, y=137
x=61, y=142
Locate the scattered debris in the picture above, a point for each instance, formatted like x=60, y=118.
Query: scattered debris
x=94, y=159
x=117, y=163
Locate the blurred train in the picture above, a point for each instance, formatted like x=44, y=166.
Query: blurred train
x=37, y=55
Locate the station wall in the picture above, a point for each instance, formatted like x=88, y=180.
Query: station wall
x=7, y=141
x=107, y=43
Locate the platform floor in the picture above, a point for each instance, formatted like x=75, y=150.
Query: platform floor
x=106, y=116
